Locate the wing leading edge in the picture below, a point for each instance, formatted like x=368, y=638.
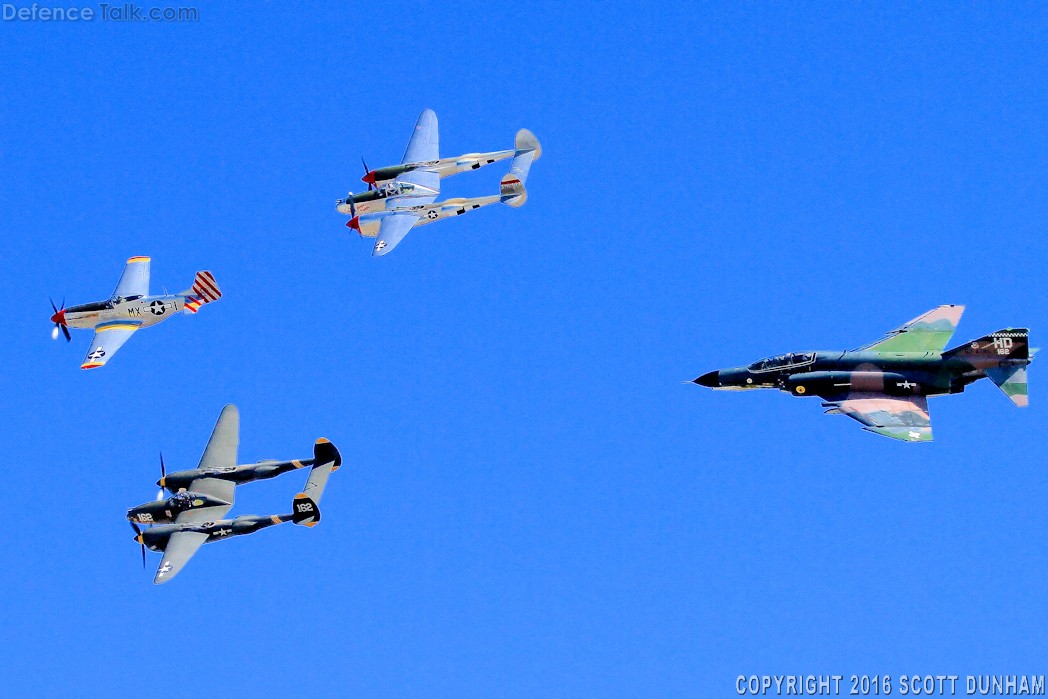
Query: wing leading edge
x=423, y=145
x=925, y=333
x=221, y=449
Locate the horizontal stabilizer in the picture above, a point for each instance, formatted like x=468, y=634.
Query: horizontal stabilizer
x=1011, y=380
x=325, y=460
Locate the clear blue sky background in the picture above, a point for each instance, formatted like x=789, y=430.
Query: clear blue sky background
x=532, y=504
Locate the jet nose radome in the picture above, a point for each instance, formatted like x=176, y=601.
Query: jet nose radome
x=711, y=379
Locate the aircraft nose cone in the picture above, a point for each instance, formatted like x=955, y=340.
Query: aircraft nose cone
x=59, y=317
x=711, y=379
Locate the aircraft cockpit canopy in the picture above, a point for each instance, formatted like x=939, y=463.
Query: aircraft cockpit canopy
x=783, y=361
x=87, y=307
x=180, y=501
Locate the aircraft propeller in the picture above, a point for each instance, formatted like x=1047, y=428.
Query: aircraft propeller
x=369, y=176
x=141, y=541
x=163, y=475
x=60, y=322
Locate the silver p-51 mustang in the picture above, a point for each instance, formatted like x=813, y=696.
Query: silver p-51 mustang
x=129, y=309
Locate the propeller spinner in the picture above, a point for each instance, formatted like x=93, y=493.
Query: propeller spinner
x=59, y=320
x=369, y=176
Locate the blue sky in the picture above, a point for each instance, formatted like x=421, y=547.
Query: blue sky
x=532, y=503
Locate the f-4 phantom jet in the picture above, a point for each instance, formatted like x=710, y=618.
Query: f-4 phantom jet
x=885, y=385
x=129, y=309
x=201, y=497
x=403, y=196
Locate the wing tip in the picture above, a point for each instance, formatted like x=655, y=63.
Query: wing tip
x=91, y=365
x=138, y=258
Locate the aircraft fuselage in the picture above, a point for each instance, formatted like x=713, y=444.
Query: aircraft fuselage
x=140, y=311
x=832, y=374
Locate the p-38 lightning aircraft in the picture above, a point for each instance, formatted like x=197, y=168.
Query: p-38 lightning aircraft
x=129, y=309
x=192, y=516
x=403, y=196
x=884, y=385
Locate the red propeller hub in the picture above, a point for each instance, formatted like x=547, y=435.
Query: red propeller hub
x=354, y=223
x=369, y=178
x=59, y=317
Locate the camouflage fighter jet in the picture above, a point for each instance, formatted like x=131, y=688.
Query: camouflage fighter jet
x=885, y=385
x=201, y=497
x=404, y=194
x=130, y=308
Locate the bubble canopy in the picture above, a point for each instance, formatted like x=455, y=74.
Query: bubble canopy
x=782, y=361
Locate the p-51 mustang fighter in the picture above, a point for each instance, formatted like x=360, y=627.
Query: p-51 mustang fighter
x=129, y=309
x=884, y=385
x=192, y=516
x=404, y=195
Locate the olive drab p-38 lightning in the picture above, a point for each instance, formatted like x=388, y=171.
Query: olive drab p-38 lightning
x=885, y=385
x=130, y=308
x=200, y=498
x=403, y=196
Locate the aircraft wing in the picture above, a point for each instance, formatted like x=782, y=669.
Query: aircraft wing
x=134, y=281
x=392, y=230
x=423, y=146
x=899, y=418
x=109, y=337
x=925, y=333
x=215, y=487
x=180, y=548
x=221, y=449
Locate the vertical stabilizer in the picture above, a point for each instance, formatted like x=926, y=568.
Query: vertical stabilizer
x=1003, y=356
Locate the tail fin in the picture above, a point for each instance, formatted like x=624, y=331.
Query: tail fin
x=204, y=290
x=304, y=511
x=512, y=190
x=324, y=452
x=1003, y=356
x=526, y=141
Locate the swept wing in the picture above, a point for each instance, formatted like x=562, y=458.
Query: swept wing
x=925, y=333
x=899, y=418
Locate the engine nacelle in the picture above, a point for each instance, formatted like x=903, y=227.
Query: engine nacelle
x=367, y=227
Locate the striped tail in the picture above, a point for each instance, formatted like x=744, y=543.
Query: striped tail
x=204, y=290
